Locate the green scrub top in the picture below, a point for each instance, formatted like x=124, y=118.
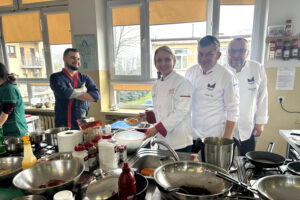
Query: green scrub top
x=15, y=124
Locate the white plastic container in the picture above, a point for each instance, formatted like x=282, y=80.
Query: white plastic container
x=81, y=154
x=63, y=195
x=108, y=153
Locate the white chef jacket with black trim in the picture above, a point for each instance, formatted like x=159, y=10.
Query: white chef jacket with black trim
x=215, y=100
x=253, y=98
x=172, y=101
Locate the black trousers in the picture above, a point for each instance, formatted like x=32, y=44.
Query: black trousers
x=246, y=145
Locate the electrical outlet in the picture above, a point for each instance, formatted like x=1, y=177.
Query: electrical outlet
x=280, y=98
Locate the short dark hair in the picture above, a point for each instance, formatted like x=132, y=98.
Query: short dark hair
x=209, y=40
x=240, y=39
x=68, y=50
x=4, y=75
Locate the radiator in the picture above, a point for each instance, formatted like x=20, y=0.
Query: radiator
x=47, y=122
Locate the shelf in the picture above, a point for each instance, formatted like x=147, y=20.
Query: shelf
x=268, y=39
x=280, y=63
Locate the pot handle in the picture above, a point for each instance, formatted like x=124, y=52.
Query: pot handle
x=295, y=153
x=234, y=181
x=270, y=147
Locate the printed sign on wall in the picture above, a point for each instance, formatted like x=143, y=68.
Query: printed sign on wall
x=87, y=46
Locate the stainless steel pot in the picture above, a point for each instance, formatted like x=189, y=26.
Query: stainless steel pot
x=37, y=137
x=51, y=135
x=13, y=145
x=219, y=151
x=14, y=164
x=197, y=178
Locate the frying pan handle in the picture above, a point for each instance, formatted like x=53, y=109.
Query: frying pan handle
x=295, y=153
x=270, y=147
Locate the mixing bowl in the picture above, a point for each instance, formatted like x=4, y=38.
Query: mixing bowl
x=132, y=139
x=13, y=164
x=13, y=145
x=32, y=178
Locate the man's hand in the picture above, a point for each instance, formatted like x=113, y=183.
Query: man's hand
x=257, y=130
x=78, y=91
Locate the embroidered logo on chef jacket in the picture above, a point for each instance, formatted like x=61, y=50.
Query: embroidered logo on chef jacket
x=171, y=91
x=211, y=87
x=251, y=80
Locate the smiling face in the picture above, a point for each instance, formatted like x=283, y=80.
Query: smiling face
x=208, y=56
x=164, y=62
x=237, y=53
x=72, y=60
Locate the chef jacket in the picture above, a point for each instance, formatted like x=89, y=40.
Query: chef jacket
x=67, y=111
x=172, y=100
x=253, y=98
x=215, y=100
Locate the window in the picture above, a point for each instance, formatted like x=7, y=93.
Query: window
x=28, y=58
x=11, y=51
x=181, y=58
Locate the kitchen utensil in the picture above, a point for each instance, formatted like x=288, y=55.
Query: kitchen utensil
x=219, y=151
x=196, y=177
x=132, y=139
x=13, y=145
x=143, y=127
x=132, y=121
x=107, y=186
x=61, y=156
x=51, y=135
x=36, y=137
x=31, y=197
x=294, y=167
x=30, y=179
x=14, y=164
x=265, y=159
x=279, y=187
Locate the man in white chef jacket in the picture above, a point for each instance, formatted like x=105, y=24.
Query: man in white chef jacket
x=215, y=100
x=253, y=95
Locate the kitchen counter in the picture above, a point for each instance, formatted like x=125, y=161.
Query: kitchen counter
x=286, y=134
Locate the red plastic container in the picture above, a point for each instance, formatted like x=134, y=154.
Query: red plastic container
x=127, y=184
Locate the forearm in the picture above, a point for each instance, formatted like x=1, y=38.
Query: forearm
x=85, y=97
x=3, y=118
x=229, y=128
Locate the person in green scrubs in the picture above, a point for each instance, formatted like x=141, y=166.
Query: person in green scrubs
x=12, y=114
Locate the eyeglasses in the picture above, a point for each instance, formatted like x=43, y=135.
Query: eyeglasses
x=232, y=51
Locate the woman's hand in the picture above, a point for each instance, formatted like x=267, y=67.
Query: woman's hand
x=151, y=132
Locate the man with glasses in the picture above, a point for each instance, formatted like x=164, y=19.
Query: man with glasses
x=215, y=100
x=253, y=95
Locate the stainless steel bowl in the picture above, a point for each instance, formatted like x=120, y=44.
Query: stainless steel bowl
x=30, y=179
x=31, y=197
x=51, y=135
x=14, y=164
x=13, y=145
x=61, y=156
x=37, y=137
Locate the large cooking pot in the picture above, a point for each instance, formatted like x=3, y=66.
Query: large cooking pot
x=195, y=180
x=265, y=159
x=51, y=135
x=219, y=151
x=107, y=186
x=132, y=139
x=36, y=137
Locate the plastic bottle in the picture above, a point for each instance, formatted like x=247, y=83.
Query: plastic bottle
x=80, y=153
x=29, y=159
x=92, y=157
x=108, y=153
x=127, y=184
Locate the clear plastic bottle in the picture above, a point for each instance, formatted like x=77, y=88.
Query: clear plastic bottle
x=127, y=184
x=108, y=152
x=80, y=153
x=29, y=159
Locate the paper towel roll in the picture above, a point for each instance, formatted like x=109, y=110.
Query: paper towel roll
x=67, y=140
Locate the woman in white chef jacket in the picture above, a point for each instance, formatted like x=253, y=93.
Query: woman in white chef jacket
x=172, y=100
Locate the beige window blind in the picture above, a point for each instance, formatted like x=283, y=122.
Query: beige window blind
x=6, y=2
x=237, y=2
x=22, y=27
x=34, y=1
x=59, y=28
x=163, y=12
